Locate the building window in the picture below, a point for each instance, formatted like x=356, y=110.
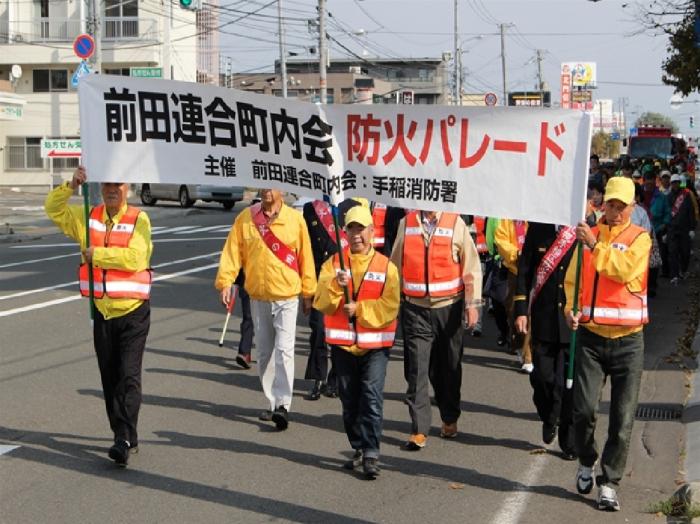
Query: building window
x=121, y=71
x=121, y=19
x=48, y=80
x=23, y=153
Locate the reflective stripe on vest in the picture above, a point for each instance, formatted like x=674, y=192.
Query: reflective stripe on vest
x=430, y=270
x=114, y=283
x=338, y=328
x=379, y=220
x=607, y=302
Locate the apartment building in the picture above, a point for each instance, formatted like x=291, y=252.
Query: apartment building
x=38, y=36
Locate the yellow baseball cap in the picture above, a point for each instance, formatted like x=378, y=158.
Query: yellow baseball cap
x=620, y=188
x=359, y=214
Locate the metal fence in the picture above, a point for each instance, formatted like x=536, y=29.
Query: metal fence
x=66, y=29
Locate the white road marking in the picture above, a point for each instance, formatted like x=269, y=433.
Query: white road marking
x=172, y=230
x=6, y=449
x=155, y=241
x=13, y=264
x=200, y=230
x=27, y=208
x=62, y=244
x=43, y=305
x=515, y=503
x=75, y=282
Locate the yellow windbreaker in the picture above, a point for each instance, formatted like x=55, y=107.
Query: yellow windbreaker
x=507, y=244
x=267, y=278
x=627, y=266
x=136, y=257
x=372, y=314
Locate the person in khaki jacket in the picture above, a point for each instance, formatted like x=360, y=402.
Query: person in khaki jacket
x=270, y=242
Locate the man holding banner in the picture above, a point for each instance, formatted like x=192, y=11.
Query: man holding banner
x=270, y=242
x=118, y=257
x=613, y=299
x=441, y=285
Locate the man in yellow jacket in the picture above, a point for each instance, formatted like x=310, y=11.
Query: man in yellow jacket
x=270, y=242
x=360, y=331
x=509, y=238
x=119, y=257
x=613, y=311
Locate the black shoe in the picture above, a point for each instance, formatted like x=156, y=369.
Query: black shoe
x=548, y=433
x=243, y=360
x=331, y=391
x=568, y=454
x=119, y=453
x=355, y=461
x=501, y=341
x=315, y=392
x=370, y=468
x=279, y=417
x=476, y=333
x=265, y=416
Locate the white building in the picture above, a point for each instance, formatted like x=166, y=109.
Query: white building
x=38, y=36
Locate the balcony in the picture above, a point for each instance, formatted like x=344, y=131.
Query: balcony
x=129, y=28
x=66, y=29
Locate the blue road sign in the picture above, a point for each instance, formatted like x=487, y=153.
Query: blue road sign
x=615, y=135
x=82, y=70
x=83, y=46
x=633, y=131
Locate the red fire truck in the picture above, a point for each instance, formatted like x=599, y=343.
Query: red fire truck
x=652, y=142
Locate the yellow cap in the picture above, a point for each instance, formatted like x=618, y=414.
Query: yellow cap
x=359, y=214
x=620, y=188
x=362, y=201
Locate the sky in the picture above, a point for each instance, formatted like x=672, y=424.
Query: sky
x=628, y=64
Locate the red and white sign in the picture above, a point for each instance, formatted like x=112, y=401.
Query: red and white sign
x=430, y=157
x=490, y=99
x=84, y=46
x=60, y=148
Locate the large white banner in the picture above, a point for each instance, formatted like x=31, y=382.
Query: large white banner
x=519, y=163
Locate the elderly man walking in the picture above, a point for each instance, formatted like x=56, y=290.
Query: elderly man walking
x=119, y=259
x=270, y=242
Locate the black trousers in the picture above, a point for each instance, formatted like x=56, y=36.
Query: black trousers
x=554, y=403
x=317, y=364
x=678, y=252
x=433, y=356
x=119, y=344
x=247, y=331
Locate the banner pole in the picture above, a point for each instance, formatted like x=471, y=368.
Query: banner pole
x=341, y=255
x=574, y=309
x=91, y=281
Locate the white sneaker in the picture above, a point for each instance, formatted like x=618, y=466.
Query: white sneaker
x=527, y=367
x=607, y=499
x=584, y=479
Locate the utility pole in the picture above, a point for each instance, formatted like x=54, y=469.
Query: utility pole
x=322, y=49
x=503, y=62
x=283, y=58
x=167, y=25
x=458, y=59
x=540, y=82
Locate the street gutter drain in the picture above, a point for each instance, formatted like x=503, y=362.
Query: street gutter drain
x=659, y=413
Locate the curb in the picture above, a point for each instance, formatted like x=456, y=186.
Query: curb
x=690, y=491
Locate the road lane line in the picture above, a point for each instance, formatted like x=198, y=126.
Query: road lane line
x=14, y=264
x=155, y=241
x=172, y=230
x=515, y=504
x=201, y=230
x=63, y=244
x=57, y=301
x=7, y=449
x=75, y=282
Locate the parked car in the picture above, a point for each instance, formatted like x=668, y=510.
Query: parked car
x=188, y=194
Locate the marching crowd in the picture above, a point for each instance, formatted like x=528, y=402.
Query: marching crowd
x=367, y=274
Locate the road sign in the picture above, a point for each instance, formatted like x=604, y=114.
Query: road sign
x=406, y=97
x=615, y=135
x=146, y=72
x=83, y=46
x=82, y=70
x=490, y=99
x=60, y=148
x=633, y=131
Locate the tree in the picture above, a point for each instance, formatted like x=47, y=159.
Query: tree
x=604, y=146
x=675, y=19
x=656, y=119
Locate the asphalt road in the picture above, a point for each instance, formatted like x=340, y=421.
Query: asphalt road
x=205, y=457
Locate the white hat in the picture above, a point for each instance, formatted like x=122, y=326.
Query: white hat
x=676, y=177
x=665, y=172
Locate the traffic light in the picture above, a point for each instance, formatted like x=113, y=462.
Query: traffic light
x=692, y=122
x=191, y=5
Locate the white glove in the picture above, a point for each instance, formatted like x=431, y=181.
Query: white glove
x=691, y=234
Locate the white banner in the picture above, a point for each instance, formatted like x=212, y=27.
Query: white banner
x=520, y=163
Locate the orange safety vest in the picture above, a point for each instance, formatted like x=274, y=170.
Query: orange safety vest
x=609, y=303
x=379, y=219
x=115, y=283
x=338, y=328
x=430, y=270
x=480, y=229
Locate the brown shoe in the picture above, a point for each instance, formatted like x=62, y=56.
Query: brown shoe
x=448, y=430
x=415, y=442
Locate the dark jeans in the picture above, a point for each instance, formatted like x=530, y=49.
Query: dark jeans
x=433, y=356
x=622, y=359
x=119, y=344
x=361, y=392
x=678, y=252
x=245, y=343
x=317, y=365
x=554, y=403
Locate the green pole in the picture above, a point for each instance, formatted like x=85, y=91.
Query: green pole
x=91, y=285
x=574, y=309
x=341, y=257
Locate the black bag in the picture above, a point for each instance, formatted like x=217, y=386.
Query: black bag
x=497, y=284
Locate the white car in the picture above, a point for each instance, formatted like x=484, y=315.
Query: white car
x=188, y=194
